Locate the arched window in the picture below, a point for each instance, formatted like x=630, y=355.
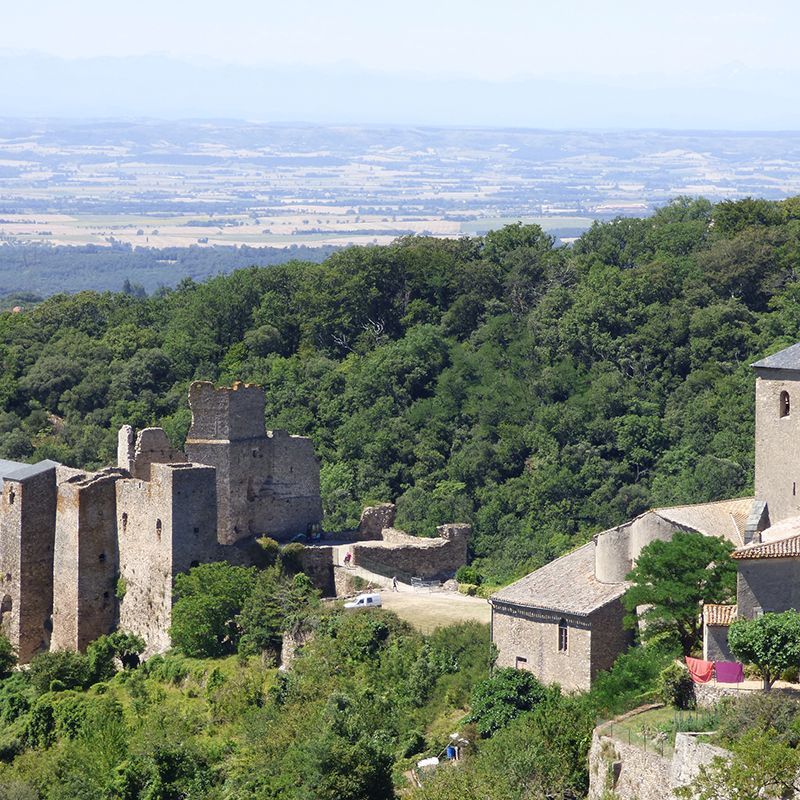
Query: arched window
x=785, y=405
x=562, y=636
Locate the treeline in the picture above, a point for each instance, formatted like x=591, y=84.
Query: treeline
x=46, y=270
x=543, y=393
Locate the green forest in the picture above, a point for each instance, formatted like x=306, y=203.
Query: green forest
x=542, y=393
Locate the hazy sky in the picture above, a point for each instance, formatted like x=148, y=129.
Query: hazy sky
x=488, y=39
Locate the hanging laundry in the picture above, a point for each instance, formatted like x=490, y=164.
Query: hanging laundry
x=729, y=671
x=701, y=671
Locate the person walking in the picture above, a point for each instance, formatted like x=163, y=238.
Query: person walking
x=394, y=584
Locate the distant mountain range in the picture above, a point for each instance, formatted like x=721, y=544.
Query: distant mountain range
x=734, y=98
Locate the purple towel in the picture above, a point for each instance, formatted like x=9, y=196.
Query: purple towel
x=729, y=672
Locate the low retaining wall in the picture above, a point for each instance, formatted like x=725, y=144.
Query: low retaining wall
x=709, y=694
x=632, y=773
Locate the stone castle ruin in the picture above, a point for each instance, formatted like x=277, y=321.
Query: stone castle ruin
x=83, y=553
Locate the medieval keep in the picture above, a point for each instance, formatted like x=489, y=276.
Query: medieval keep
x=83, y=553
x=564, y=622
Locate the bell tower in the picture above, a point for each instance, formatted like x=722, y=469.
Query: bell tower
x=778, y=433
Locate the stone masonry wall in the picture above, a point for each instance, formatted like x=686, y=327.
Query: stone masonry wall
x=633, y=773
x=609, y=636
x=166, y=525
x=528, y=639
x=317, y=563
x=777, y=475
x=629, y=771
x=10, y=558
x=771, y=584
x=27, y=532
x=407, y=556
x=151, y=447
x=267, y=482
x=86, y=560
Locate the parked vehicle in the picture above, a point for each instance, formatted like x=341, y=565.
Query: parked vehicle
x=365, y=600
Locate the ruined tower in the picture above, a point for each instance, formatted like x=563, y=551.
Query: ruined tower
x=166, y=525
x=267, y=481
x=27, y=532
x=86, y=559
x=778, y=433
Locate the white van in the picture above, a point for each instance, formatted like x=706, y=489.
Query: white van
x=367, y=600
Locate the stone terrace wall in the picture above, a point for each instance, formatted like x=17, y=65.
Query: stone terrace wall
x=411, y=556
x=317, y=563
x=635, y=774
x=627, y=770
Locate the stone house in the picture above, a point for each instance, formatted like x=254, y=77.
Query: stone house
x=764, y=530
x=560, y=622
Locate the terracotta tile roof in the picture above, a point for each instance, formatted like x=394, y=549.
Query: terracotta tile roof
x=726, y=518
x=719, y=615
x=567, y=584
x=787, y=547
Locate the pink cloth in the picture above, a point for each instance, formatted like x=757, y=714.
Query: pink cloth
x=729, y=672
x=700, y=670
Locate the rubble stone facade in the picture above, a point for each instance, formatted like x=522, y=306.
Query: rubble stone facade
x=84, y=553
x=267, y=481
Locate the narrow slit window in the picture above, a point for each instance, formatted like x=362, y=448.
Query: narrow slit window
x=785, y=404
x=158, y=528
x=562, y=636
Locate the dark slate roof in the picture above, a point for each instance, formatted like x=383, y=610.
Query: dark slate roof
x=788, y=358
x=16, y=471
x=567, y=584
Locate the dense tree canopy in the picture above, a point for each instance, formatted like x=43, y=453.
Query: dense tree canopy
x=770, y=642
x=542, y=393
x=673, y=579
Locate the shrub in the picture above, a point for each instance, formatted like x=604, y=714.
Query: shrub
x=504, y=696
x=468, y=574
x=292, y=557
x=632, y=680
x=675, y=686
x=8, y=658
x=70, y=669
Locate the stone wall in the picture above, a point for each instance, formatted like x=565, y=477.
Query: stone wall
x=317, y=563
x=777, y=478
x=267, y=481
x=151, y=447
x=715, y=643
x=408, y=557
x=629, y=771
x=86, y=559
x=166, y=525
x=528, y=639
x=609, y=636
x=27, y=534
x=633, y=773
x=770, y=584
x=374, y=519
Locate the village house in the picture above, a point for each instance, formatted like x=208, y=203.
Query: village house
x=564, y=622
